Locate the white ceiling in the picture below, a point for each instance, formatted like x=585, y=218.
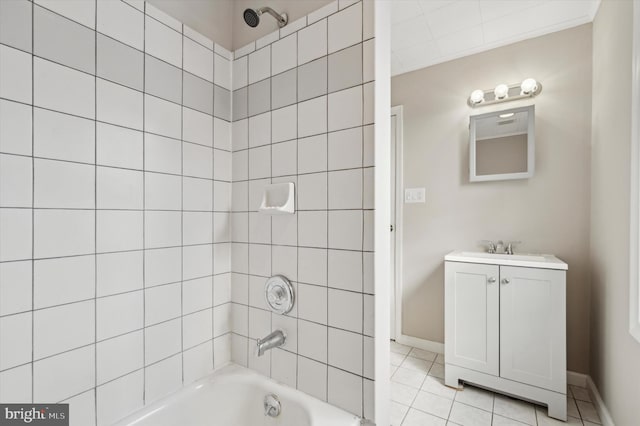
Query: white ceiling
x=427, y=32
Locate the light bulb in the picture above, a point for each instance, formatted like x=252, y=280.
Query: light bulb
x=501, y=91
x=528, y=86
x=476, y=97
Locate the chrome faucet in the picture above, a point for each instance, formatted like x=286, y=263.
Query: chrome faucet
x=491, y=246
x=273, y=340
x=499, y=246
x=509, y=248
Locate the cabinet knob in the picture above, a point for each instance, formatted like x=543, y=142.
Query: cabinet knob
x=491, y=280
x=506, y=281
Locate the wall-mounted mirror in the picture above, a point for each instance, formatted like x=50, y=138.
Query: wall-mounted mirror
x=502, y=145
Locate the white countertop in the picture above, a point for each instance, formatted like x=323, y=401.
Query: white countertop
x=544, y=261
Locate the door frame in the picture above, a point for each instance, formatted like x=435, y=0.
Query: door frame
x=397, y=204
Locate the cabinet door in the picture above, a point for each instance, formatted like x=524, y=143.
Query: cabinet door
x=471, y=316
x=533, y=327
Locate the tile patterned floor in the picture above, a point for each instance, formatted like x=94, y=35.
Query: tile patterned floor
x=420, y=398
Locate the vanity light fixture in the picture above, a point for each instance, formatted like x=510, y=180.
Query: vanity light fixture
x=528, y=86
x=503, y=92
x=476, y=97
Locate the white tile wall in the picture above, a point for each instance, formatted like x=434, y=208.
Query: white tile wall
x=240, y=72
x=15, y=384
x=345, y=28
x=198, y=127
x=223, y=72
x=320, y=145
x=162, y=341
x=123, y=395
x=62, y=233
x=63, y=89
x=312, y=117
x=17, y=341
x=107, y=216
x=198, y=60
x=63, y=137
x=284, y=54
x=119, y=147
x=15, y=74
x=323, y=12
x=198, y=362
x=162, y=117
x=15, y=287
x=260, y=64
x=312, y=303
x=64, y=375
x=83, y=14
x=15, y=181
x=163, y=17
x=119, y=314
x=163, y=42
x=344, y=390
x=121, y=22
x=15, y=131
x=63, y=280
x=345, y=109
x=285, y=124
x=142, y=199
x=119, y=356
x=312, y=42
x=119, y=272
x=119, y=105
x=16, y=226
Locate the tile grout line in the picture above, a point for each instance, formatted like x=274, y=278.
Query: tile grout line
x=296, y=207
x=362, y=185
x=123, y=85
x=144, y=203
x=33, y=191
x=246, y=101
x=182, y=75
x=213, y=216
x=120, y=126
x=328, y=196
x=271, y=313
x=95, y=215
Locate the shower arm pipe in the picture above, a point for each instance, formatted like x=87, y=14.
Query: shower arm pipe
x=282, y=20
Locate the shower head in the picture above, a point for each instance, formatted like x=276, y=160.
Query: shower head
x=252, y=17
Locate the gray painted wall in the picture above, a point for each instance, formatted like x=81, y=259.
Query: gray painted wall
x=210, y=18
x=614, y=352
x=548, y=213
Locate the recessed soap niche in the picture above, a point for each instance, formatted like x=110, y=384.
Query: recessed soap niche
x=278, y=198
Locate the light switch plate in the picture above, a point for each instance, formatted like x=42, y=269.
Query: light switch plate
x=414, y=195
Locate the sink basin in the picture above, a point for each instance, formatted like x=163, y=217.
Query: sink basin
x=545, y=261
x=524, y=257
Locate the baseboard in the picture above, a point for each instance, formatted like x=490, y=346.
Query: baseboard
x=416, y=342
x=577, y=379
x=605, y=416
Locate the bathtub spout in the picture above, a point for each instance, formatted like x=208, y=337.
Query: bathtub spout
x=273, y=340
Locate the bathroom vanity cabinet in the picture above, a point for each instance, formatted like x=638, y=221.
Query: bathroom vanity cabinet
x=505, y=325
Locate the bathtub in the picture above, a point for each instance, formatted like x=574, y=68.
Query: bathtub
x=233, y=396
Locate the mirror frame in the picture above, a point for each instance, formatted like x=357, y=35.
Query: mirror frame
x=473, y=177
